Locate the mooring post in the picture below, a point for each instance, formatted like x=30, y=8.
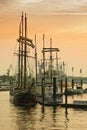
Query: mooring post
x=54, y=89
x=72, y=83
x=43, y=91
x=81, y=82
x=61, y=86
x=66, y=96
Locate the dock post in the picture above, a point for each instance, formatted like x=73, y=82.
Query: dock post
x=66, y=96
x=72, y=83
x=43, y=91
x=61, y=85
x=54, y=89
x=81, y=82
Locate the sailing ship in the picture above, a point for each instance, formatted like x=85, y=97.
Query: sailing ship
x=47, y=73
x=23, y=93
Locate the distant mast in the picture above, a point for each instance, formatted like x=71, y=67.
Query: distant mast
x=51, y=59
x=43, y=56
x=36, y=58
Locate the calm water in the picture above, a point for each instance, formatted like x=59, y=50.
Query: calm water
x=20, y=118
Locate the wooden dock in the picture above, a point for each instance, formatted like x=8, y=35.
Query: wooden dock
x=46, y=103
x=69, y=105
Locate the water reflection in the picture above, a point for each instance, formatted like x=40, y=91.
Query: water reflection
x=23, y=119
x=54, y=116
x=39, y=117
x=43, y=109
x=66, y=121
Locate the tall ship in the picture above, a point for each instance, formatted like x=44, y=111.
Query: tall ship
x=23, y=90
x=48, y=77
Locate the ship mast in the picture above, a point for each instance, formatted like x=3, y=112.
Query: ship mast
x=44, y=56
x=22, y=54
x=51, y=59
x=25, y=50
x=19, y=54
x=36, y=58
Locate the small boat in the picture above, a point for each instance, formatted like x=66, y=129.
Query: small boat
x=85, y=90
x=69, y=91
x=22, y=93
x=79, y=90
x=50, y=98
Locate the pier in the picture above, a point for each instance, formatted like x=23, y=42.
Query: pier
x=77, y=79
x=75, y=104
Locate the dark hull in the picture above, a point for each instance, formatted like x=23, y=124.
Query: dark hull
x=23, y=98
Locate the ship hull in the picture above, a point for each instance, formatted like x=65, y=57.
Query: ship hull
x=23, y=98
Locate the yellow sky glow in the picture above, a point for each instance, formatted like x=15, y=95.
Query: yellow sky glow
x=68, y=30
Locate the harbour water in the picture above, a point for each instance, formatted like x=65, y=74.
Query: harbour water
x=35, y=118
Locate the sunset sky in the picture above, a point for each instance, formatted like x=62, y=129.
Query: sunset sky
x=63, y=20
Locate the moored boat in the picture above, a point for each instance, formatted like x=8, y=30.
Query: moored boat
x=85, y=90
x=69, y=91
x=22, y=97
x=79, y=90
x=22, y=93
x=49, y=100
x=48, y=76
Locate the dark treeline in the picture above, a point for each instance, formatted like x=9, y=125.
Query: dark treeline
x=6, y=78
